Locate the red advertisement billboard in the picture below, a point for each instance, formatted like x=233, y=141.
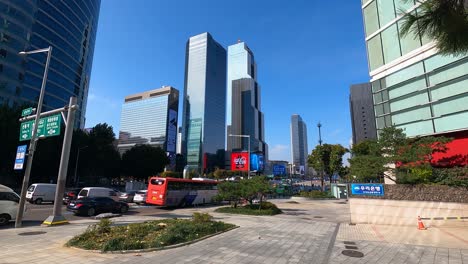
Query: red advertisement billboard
x=240, y=161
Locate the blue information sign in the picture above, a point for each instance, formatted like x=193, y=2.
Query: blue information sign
x=367, y=189
x=20, y=154
x=279, y=169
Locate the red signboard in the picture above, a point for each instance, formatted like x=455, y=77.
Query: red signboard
x=240, y=161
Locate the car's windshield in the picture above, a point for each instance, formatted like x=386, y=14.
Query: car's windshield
x=83, y=193
x=31, y=188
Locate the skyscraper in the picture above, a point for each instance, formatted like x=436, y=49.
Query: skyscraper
x=243, y=114
x=414, y=88
x=299, y=149
x=150, y=118
x=203, y=122
x=362, y=112
x=70, y=28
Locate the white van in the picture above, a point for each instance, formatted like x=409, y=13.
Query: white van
x=8, y=204
x=41, y=192
x=98, y=192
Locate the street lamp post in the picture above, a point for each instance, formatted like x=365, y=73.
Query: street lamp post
x=244, y=136
x=76, y=165
x=320, y=143
x=34, y=138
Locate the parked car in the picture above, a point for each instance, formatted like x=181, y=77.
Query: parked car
x=98, y=192
x=127, y=196
x=140, y=196
x=70, y=195
x=41, y=192
x=96, y=205
x=8, y=204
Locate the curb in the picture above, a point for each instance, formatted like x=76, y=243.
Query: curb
x=155, y=249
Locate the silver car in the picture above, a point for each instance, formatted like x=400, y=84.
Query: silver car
x=140, y=197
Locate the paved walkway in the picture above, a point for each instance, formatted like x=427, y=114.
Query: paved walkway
x=304, y=234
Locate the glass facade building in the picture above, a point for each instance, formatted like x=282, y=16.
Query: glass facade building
x=203, y=122
x=244, y=116
x=414, y=88
x=150, y=118
x=299, y=148
x=70, y=28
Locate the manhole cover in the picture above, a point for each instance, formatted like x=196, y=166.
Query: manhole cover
x=318, y=216
x=352, y=253
x=349, y=243
x=351, y=247
x=32, y=233
x=305, y=218
x=352, y=224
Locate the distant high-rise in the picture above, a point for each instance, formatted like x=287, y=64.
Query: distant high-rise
x=299, y=151
x=244, y=116
x=70, y=28
x=362, y=112
x=203, y=122
x=150, y=118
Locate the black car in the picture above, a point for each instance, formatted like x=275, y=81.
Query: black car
x=96, y=205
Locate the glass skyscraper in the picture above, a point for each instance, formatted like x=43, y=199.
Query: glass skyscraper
x=203, y=122
x=243, y=111
x=70, y=28
x=299, y=148
x=414, y=88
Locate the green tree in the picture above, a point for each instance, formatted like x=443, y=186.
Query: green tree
x=229, y=191
x=445, y=21
x=220, y=174
x=367, y=162
x=143, y=161
x=327, y=160
x=246, y=189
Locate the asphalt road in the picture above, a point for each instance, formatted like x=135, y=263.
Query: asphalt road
x=36, y=214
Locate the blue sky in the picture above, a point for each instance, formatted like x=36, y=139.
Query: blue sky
x=308, y=54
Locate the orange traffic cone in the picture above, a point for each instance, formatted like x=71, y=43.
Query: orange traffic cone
x=421, y=224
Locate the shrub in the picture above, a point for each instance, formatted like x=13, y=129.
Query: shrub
x=457, y=176
x=202, y=217
x=265, y=208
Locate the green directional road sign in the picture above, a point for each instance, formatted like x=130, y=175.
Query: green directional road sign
x=27, y=111
x=48, y=127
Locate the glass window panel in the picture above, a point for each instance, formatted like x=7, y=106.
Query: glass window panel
x=437, y=61
x=418, y=128
x=385, y=95
x=411, y=101
x=451, y=122
x=386, y=108
x=412, y=115
x=388, y=120
x=457, y=104
x=380, y=122
x=450, y=89
x=407, y=88
x=405, y=74
x=455, y=71
x=371, y=20
x=379, y=109
x=386, y=11
x=391, y=47
x=374, y=49
x=377, y=98
x=376, y=86
x=409, y=42
x=402, y=6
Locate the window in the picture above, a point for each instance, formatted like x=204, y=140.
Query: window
x=371, y=18
x=374, y=49
x=390, y=44
x=8, y=196
x=409, y=42
x=18, y=90
x=3, y=53
x=20, y=76
x=386, y=11
x=1, y=67
x=403, y=5
x=404, y=74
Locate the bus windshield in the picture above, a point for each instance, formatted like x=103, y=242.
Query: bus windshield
x=157, y=181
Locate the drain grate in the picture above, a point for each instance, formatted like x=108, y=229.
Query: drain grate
x=352, y=253
x=318, y=216
x=352, y=224
x=351, y=247
x=32, y=233
x=349, y=243
x=305, y=218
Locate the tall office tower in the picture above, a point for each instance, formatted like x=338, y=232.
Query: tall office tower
x=414, y=87
x=299, y=149
x=150, y=118
x=362, y=112
x=243, y=114
x=70, y=28
x=203, y=122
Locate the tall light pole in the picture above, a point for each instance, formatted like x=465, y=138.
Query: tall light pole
x=321, y=158
x=34, y=138
x=244, y=136
x=76, y=165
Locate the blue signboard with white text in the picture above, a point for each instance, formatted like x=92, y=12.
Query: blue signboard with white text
x=20, y=154
x=279, y=169
x=367, y=189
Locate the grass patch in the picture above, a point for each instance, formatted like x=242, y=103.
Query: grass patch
x=266, y=208
x=152, y=234
x=316, y=195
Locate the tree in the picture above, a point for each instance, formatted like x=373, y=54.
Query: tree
x=246, y=189
x=445, y=21
x=327, y=159
x=143, y=161
x=367, y=162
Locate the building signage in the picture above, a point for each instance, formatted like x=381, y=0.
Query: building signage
x=256, y=162
x=27, y=111
x=279, y=169
x=240, y=161
x=367, y=189
x=48, y=127
x=20, y=155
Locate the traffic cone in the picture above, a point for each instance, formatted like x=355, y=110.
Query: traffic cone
x=421, y=224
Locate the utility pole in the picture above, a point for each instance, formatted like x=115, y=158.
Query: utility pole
x=34, y=138
x=321, y=158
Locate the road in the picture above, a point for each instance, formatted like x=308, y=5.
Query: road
x=36, y=214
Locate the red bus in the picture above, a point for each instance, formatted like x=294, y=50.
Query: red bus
x=180, y=192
